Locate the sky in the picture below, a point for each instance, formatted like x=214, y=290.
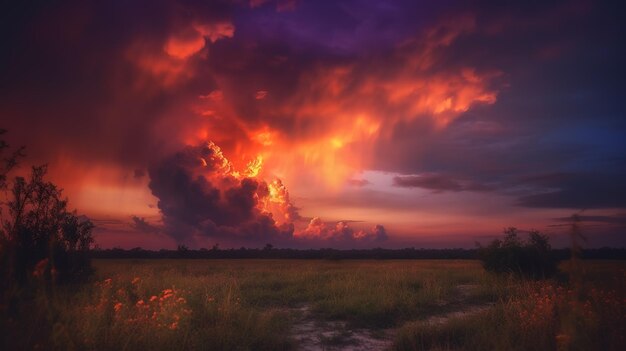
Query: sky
x=347, y=124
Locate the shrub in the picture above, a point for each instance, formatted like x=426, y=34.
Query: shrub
x=40, y=239
x=532, y=258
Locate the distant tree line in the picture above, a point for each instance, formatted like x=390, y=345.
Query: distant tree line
x=329, y=254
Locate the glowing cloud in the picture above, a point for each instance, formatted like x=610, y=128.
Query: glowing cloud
x=327, y=126
x=201, y=194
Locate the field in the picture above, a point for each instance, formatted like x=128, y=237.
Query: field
x=323, y=305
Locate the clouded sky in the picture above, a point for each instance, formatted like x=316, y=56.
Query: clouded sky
x=322, y=123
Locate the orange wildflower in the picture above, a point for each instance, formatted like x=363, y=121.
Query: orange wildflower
x=117, y=307
x=167, y=296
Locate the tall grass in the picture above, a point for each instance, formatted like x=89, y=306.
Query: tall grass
x=545, y=315
x=231, y=304
x=252, y=305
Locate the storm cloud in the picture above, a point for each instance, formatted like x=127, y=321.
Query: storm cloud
x=520, y=103
x=201, y=196
x=437, y=183
x=196, y=198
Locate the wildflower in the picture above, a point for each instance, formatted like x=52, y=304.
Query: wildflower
x=136, y=280
x=167, y=296
x=140, y=303
x=117, y=307
x=181, y=300
x=153, y=298
x=108, y=281
x=174, y=326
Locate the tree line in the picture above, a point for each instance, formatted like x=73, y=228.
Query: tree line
x=330, y=254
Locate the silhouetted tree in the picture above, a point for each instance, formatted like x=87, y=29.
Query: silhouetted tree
x=532, y=258
x=39, y=237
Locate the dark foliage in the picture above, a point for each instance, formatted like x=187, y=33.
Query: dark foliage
x=40, y=240
x=532, y=258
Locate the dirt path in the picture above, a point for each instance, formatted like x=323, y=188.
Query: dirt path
x=459, y=307
x=466, y=311
x=312, y=334
x=315, y=335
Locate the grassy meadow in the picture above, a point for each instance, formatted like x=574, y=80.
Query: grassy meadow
x=258, y=305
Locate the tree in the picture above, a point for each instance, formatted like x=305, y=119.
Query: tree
x=39, y=236
x=532, y=258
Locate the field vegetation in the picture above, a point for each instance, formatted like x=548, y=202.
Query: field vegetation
x=255, y=305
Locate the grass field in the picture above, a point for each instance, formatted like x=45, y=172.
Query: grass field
x=315, y=304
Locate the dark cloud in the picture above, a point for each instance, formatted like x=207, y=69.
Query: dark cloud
x=437, y=183
x=606, y=219
x=576, y=191
x=559, y=110
x=197, y=197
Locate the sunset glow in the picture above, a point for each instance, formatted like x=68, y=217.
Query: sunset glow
x=322, y=124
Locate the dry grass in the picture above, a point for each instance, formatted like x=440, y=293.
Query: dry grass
x=248, y=305
x=545, y=315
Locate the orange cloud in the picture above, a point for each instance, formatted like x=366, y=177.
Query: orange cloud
x=338, y=112
x=157, y=66
x=190, y=40
x=346, y=108
x=341, y=231
x=171, y=64
x=182, y=46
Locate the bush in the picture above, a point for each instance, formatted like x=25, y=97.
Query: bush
x=39, y=238
x=532, y=258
